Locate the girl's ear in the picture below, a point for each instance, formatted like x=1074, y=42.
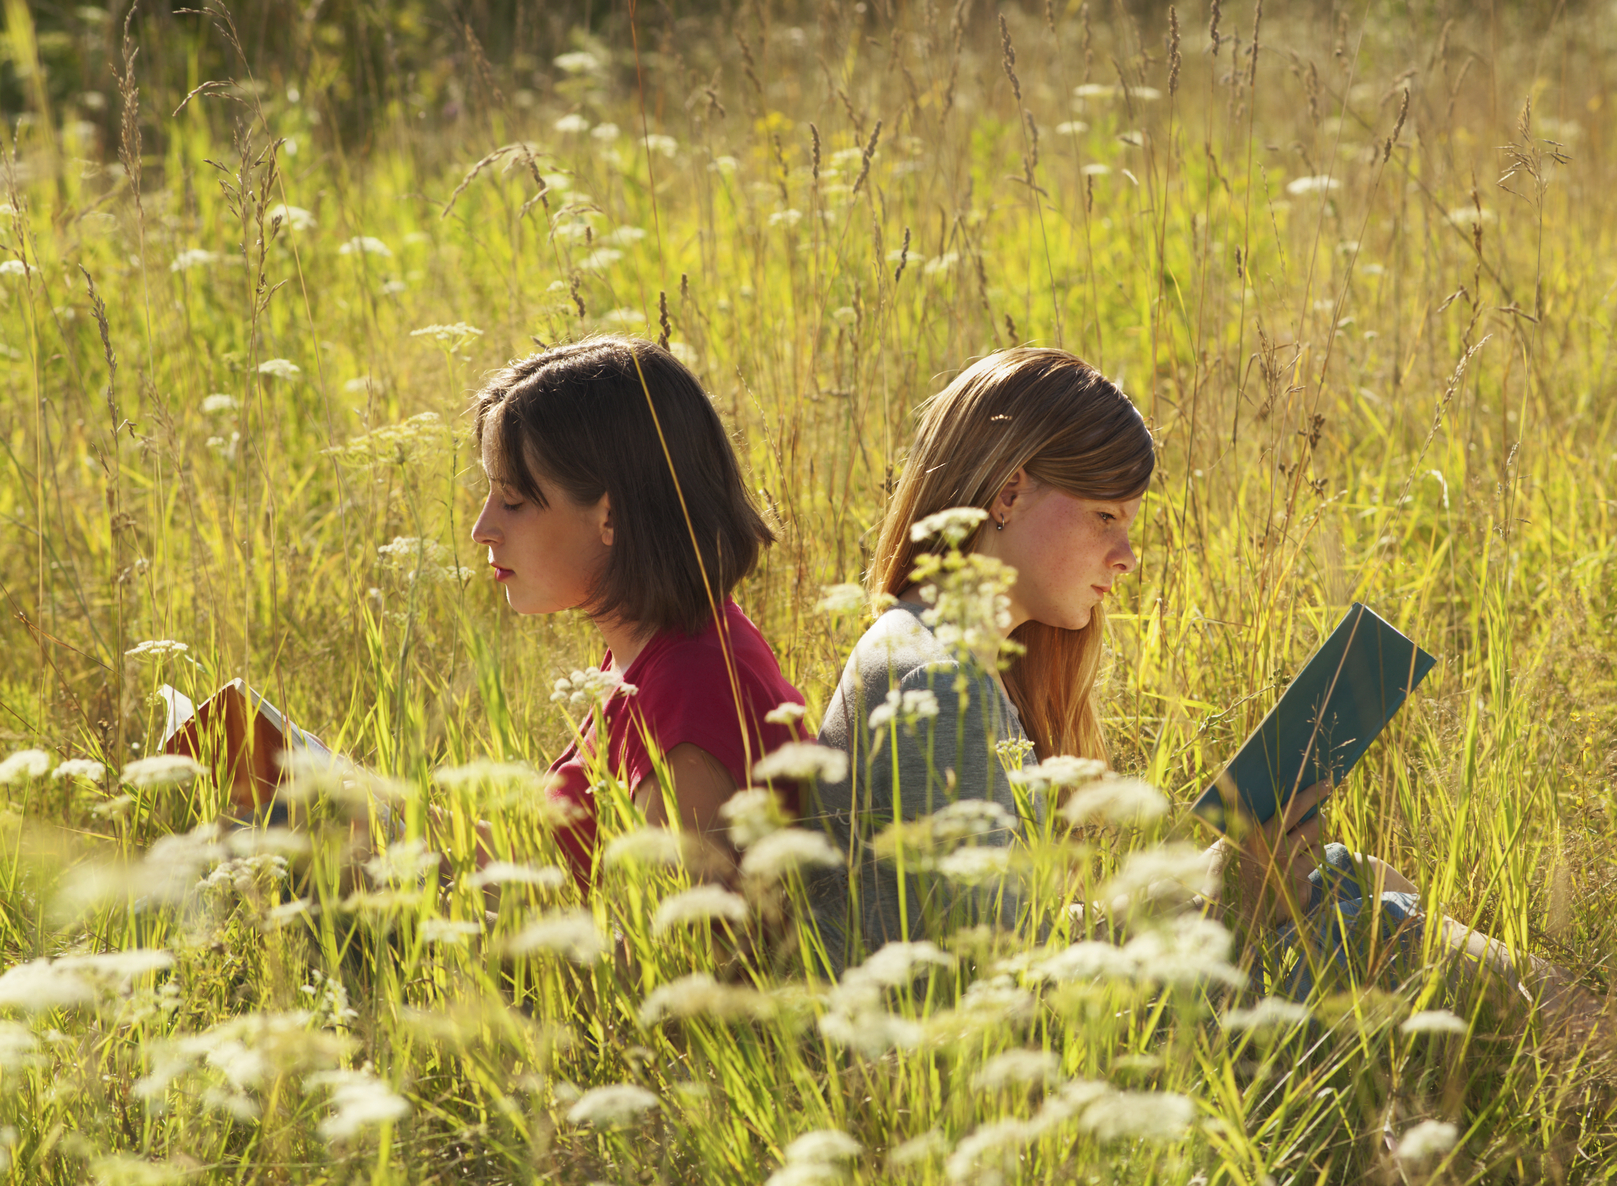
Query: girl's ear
x=603, y=510
x=1011, y=491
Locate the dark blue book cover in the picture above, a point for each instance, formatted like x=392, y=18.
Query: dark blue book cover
x=1344, y=695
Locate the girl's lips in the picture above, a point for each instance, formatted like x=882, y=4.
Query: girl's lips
x=500, y=573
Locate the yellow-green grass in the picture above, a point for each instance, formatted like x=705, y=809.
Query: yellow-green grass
x=1392, y=386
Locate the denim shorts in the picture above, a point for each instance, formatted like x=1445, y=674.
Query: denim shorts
x=1344, y=938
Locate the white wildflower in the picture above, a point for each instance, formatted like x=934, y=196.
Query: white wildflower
x=1188, y=950
x=612, y=1107
x=898, y=963
x=1097, y=90
x=407, y=863
x=666, y=145
x=699, y=995
x=699, y=904
x=447, y=930
x=571, y=124
x=930, y=1144
x=845, y=314
x=752, y=814
x=162, y=770
x=1269, y=1013
x=13, y=267
x=1312, y=185
x=550, y=877
x=458, y=333
x=956, y=525
x=787, y=218
x=787, y=851
x=1469, y=217
x=800, y=761
x=219, y=402
x=1117, y=799
x=1163, y=871
x=1071, y=127
x=624, y=318
x=821, y=1146
x=591, y=686
x=293, y=218
x=1426, y=1140
x=1089, y=960
x=18, y=1048
x=600, y=258
x=196, y=257
x=1015, y=1067
x=365, y=245
x=358, y=1100
x=997, y=1141
x=1434, y=1021
x=908, y=708
x=244, y=873
x=806, y=1173
x=786, y=713
x=40, y=985
x=644, y=846
x=25, y=764
x=870, y=1031
x=973, y=865
x=156, y=648
x=284, y=913
x=969, y=818
x=841, y=599
x=518, y=775
x=1152, y=1115
x=281, y=368
x=941, y=265
x=570, y=933
x=1095, y=169
x=605, y=132
x=578, y=62
x=1061, y=770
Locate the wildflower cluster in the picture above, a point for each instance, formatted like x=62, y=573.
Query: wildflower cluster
x=454, y=337
x=413, y=439
x=423, y=559
x=591, y=686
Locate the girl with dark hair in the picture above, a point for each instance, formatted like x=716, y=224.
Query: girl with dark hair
x=614, y=489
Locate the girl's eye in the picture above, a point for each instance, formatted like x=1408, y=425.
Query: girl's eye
x=1108, y=516
x=511, y=506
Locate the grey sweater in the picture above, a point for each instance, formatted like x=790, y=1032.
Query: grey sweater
x=907, y=773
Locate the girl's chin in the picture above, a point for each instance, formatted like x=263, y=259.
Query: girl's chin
x=1075, y=619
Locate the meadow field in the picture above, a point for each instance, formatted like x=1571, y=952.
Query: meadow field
x=1356, y=266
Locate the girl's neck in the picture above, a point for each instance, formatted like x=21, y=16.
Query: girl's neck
x=625, y=640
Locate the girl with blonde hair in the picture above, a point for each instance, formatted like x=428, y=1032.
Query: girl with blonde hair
x=1057, y=460
x=1037, y=463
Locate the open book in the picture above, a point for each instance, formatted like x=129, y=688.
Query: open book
x=243, y=735
x=1328, y=716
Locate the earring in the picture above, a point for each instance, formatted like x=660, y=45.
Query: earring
x=1001, y=526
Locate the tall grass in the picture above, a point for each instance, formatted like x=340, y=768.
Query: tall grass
x=1375, y=348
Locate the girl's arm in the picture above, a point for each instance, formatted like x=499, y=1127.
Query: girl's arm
x=701, y=785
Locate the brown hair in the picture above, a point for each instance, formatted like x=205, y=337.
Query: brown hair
x=1054, y=415
x=625, y=418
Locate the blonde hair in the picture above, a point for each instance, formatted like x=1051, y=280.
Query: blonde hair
x=1053, y=415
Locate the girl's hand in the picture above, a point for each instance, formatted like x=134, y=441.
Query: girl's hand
x=1264, y=867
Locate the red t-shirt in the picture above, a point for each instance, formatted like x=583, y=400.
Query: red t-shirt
x=710, y=690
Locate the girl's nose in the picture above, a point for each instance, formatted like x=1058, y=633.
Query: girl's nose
x=483, y=531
